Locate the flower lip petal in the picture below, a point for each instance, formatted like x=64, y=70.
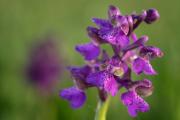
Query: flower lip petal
x=140, y=65
x=104, y=79
x=134, y=103
x=110, y=84
x=75, y=96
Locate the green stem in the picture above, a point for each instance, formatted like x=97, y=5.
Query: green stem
x=101, y=109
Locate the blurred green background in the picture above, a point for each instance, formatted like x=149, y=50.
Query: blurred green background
x=24, y=21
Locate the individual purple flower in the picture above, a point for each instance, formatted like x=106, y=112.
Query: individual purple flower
x=89, y=51
x=110, y=73
x=75, y=96
x=134, y=103
x=140, y=65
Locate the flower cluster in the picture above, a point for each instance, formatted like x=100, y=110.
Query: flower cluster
x=111, y=73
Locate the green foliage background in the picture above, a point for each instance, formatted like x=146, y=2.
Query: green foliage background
x=24, y=21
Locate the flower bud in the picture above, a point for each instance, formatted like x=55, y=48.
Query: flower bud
x=152, y=16
x=113, y=11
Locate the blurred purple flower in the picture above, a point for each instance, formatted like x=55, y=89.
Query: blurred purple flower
x=110, y=73
x=44, y=65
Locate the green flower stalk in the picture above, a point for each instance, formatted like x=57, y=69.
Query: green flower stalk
x=102, y=108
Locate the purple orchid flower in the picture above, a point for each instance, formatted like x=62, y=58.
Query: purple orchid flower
x=111, y=73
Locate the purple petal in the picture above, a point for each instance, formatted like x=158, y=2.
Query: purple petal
x=75, y=96
x=108, y=35
x=140, y=65
x=123, y=23
x=134, y=103
x=102, y=23
x=96, y=79
x=151, y=51
x=129, y=56
x=88, y=50
x=114, y=36
x=115, y=61
x=80, y=72
x=122, y=39
x=110, y=84
x=93, y=35
x=105, y=80
x=148, y=69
